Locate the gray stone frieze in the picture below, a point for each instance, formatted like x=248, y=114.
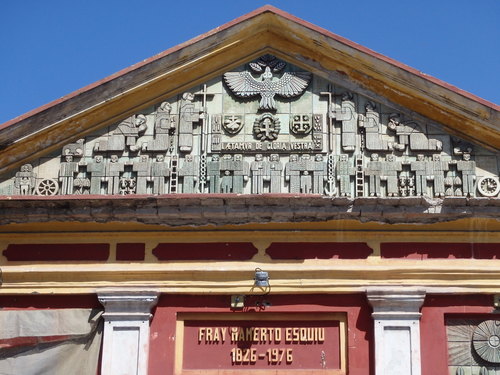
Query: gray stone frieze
x=266, y=127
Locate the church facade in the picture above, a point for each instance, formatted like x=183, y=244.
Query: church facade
x=293, y=204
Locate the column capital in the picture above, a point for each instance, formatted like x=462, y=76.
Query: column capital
x=395, y=302
x=123, y=304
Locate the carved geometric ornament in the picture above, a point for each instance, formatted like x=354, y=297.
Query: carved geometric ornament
x=486, y=340
x=488, y=186
x=266, y=127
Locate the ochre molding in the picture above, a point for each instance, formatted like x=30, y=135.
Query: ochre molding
x=301, y=277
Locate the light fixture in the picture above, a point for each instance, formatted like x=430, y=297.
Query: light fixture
x=261, y=278
x=496, y=303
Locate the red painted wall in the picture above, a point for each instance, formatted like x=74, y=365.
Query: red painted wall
x=440, y=250
x=359, y=321
x=434, y=347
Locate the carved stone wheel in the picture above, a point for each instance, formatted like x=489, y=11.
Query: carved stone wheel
x=47, y=187
x=486, y=340
x=488, y=186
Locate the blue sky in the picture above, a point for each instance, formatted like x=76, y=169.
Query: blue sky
x=51, y=48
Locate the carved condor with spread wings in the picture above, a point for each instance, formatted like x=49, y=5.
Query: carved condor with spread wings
x=291, y=84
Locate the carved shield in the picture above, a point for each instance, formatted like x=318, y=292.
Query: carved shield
x=232, y=124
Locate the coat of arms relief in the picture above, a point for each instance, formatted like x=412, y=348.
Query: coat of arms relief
x=266, y=127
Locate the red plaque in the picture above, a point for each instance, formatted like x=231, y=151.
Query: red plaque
x=260, y=341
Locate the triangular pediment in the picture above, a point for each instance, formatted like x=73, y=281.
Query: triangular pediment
x=266, y=126
x=321, y=116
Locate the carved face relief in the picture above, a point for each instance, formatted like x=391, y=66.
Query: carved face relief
x=140, y=119
x=166, y=107
x=188, y=96
x=26, y=168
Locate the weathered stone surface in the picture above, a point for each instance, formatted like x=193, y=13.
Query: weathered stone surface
x=229, y=209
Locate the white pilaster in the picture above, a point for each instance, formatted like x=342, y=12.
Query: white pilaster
x=126, y=315
x=396, y=315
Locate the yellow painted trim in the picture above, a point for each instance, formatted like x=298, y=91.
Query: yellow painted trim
x=132, y=229
x=235, y=277
x=293, y=277
x=373, y=236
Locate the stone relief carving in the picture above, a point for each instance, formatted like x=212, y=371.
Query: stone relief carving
x=125, y=135
x=347, y=116
x=189, y=171
x=266, y=127
x=468, y=169
x=164, y=130
x=317, y=138
x=370, y=122
x=275, y=170
x=488, y=186
x=47, y=187
x=410, y=134
x=232, y=124
x=289, y=85
x=473, y=346
x=260, y=172
x=24, y=181
x=301, y=125
x=188, y=116
x=345, y=170
x=67, y=173
x=74, y=149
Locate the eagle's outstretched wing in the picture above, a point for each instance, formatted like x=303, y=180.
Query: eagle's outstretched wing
x=242, y=84
x=291, y=84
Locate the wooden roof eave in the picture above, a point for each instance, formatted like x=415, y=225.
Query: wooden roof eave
x=129, y=91
x=460, y=112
